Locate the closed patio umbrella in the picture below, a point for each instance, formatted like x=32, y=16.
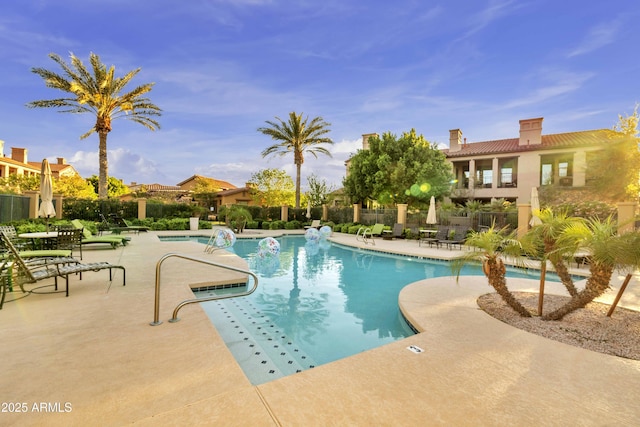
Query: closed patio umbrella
x=535, y=207
x=431, y=214
x=46, y=193
x=308, y=209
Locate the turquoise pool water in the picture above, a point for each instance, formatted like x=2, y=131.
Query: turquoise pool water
x=321, y=303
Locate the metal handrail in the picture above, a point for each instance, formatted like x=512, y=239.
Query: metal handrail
x=363, y=237
x=156, y=308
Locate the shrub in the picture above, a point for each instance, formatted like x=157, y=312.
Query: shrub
x=293, y=225
x=266, y=225
x=277, y=225
x=354, y=229
x=252, y=225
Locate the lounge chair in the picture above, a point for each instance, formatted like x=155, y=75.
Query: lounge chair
x=119, y=225
x=376, y=230
x=31, y=274
x=456, y=236
x=88, y=238
x=398, y=231
x=366, y=234
x=314, y=224
x=441, y=234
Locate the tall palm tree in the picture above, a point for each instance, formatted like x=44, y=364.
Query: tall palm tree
x=490, y=247
x=98, y=91
x=297, y=136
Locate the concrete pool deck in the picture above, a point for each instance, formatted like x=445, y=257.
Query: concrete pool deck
x=93, y=358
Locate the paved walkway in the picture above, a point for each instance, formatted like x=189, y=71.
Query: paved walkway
x=93, y=359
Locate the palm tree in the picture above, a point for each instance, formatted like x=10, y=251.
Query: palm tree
x=548, y=233
x=489, y=248
x=98, y=92
x=607, y=251
x=297, y=136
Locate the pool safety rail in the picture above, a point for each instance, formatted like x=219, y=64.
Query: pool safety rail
x=156, y=307
x=364, y=235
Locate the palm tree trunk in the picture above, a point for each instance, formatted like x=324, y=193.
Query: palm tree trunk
x=298, y=167
x=597, y=284
x=497, y=280
x=565, y=277
x=103, y=168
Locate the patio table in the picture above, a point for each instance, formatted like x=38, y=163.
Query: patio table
x=47, y=238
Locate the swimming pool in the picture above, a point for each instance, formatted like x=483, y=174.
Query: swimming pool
x=321, y=303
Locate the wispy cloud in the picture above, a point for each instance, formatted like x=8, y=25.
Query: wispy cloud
x=597, y=37
x=495, y=10
x=552, y=84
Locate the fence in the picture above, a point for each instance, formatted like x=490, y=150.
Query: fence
x=13, y=208
x=379, y=216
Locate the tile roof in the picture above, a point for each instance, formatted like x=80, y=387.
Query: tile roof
x=217, y=182
x=549, y=142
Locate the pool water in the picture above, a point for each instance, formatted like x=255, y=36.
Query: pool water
x=320, y=303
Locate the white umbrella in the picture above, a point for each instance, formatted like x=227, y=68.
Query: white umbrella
x=535, y=207
x=431, y=215
x=46, y=193
x=308, y=209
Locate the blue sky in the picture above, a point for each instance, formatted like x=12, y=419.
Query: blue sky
x=222, y=68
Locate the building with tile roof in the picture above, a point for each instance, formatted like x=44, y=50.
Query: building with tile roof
x=18, y=164
x=191, y=182
x=509, y=168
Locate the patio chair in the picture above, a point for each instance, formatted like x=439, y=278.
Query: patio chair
x=118, y=225
x=376, y=230
x=11, y=232
x=69, y=238
x=398, y=231
x=27, y=273
x=456, y=236
x=30, y=254
x=314, y=224
x=88, y=238
x=441, y=234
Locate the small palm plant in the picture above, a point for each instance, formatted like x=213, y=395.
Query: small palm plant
x=490, y=247
x=545, y=237
x=607, y=252
x=236, y=215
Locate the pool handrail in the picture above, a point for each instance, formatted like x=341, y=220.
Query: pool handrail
x=156, y=307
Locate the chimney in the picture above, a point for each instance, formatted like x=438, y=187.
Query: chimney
x=62, y=161
x=365, y=139
x=531, y=131
x=19, y=154
x=455, y=139
x=1, y=148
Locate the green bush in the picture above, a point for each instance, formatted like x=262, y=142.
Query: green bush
x=252, y=225
x=266, y=225
x=353, y=229
x=293, y=225
x=277, y=225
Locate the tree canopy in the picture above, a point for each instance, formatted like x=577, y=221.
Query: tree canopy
x=116, y=187
x=97, y=91
x=272, y=187
x=297, y=136
x=617, y=183
x=393, y=170
x=319, y=191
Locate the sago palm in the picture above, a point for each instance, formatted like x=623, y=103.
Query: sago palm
x=98, y=92
x=297, y=136
x=489, y=247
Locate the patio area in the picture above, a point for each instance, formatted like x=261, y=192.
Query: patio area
x=93, y=358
